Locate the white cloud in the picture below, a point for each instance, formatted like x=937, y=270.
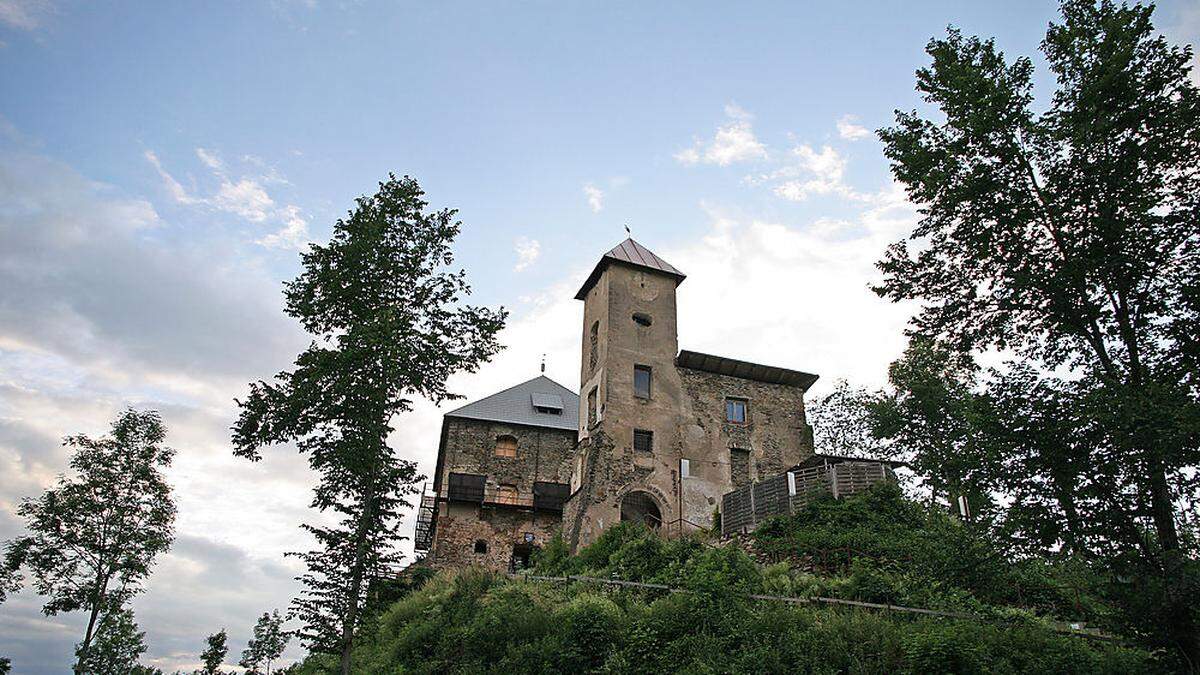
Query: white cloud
x=24, y=14
x=246, y=198
x=595, y=197
x=812, y=172
x=849, y=130
x=527, y=251
x=177, y=192
x=294, y=233
x=733, y=142
x=210, y=159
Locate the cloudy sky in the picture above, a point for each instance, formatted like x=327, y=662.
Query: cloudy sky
x=162, y=163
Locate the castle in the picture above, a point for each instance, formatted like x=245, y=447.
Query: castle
x=657, y=435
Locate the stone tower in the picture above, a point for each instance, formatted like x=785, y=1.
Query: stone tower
x=627, y=464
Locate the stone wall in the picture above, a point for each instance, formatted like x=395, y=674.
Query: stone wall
x=502, y=529
x=543, y=454
x=685, y=411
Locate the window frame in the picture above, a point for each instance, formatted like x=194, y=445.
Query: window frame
x=730, y=402
x=639, y=368
x=516, y=447
x=647, y=434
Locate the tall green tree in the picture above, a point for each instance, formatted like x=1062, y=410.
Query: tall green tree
x=267, y=645
x=1068, y=236
x=213, y=656
x=930, y=419
x=389, y=323
x=94, y=536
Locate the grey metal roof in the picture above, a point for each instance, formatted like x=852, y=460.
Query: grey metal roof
x=632, y=253
x=515, y=405
x=722, y=365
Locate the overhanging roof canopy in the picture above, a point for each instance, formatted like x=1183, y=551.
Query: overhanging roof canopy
x=722, y=365
x=629, y=252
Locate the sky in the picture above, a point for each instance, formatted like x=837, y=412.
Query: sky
x=161, y=165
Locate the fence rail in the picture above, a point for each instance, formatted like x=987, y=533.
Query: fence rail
x=744, y=508
x=1056, y=626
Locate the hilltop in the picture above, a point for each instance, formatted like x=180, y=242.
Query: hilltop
x=874, y=547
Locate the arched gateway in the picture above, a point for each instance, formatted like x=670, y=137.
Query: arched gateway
x=640, y=507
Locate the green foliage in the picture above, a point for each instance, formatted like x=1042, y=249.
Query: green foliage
x=390, y=323
x=1064, y=232
x=94, y=536
x=476, y=622
x=214, y=653
x=267, y=645
x=116, y=647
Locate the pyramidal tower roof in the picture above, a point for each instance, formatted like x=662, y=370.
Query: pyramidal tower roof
x=629, y=252
x=540, y=402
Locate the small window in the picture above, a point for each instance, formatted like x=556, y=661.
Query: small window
x=480, y=546
x=591, y=410
x=643, y=441
x=735, y=410
x=685, y=468
x=506, y=494
x=594, y=347
x=642, y=319
x=641, y=381
x=506, y=446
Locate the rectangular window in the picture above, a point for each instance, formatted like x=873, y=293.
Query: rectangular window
x=466, y=487
x=643, y=441
x=641, y=381
x=735, y=410
x=591, y=412
x=685, y=468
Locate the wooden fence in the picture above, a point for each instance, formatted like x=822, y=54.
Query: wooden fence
x=743, y=509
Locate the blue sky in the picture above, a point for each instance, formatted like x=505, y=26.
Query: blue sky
x=161, y=163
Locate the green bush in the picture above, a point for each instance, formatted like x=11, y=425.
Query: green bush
x=475, y=622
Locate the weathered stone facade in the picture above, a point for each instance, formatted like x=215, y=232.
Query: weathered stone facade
x=501, y=524
x=629, y=325
x=652, y=436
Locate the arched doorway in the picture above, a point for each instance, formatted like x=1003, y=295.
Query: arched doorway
x=640, y=507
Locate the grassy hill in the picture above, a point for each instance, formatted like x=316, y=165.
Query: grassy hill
x=875, y=547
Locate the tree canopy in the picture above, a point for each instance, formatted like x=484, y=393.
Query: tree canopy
x=389, y=323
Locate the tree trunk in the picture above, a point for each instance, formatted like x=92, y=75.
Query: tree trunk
x=87, y=638
x=102, y=587
x=356, y=575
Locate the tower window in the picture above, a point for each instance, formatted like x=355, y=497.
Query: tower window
x=641, y=381
x=506, y=446
x=593, y=347
x=591, y=410
x=480, y=546
x=735, y=410
x=643, y=440
x=641, y=319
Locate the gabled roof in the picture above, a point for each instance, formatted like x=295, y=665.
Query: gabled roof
x=515, y=405
x=746, y=370
x=629, y=252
